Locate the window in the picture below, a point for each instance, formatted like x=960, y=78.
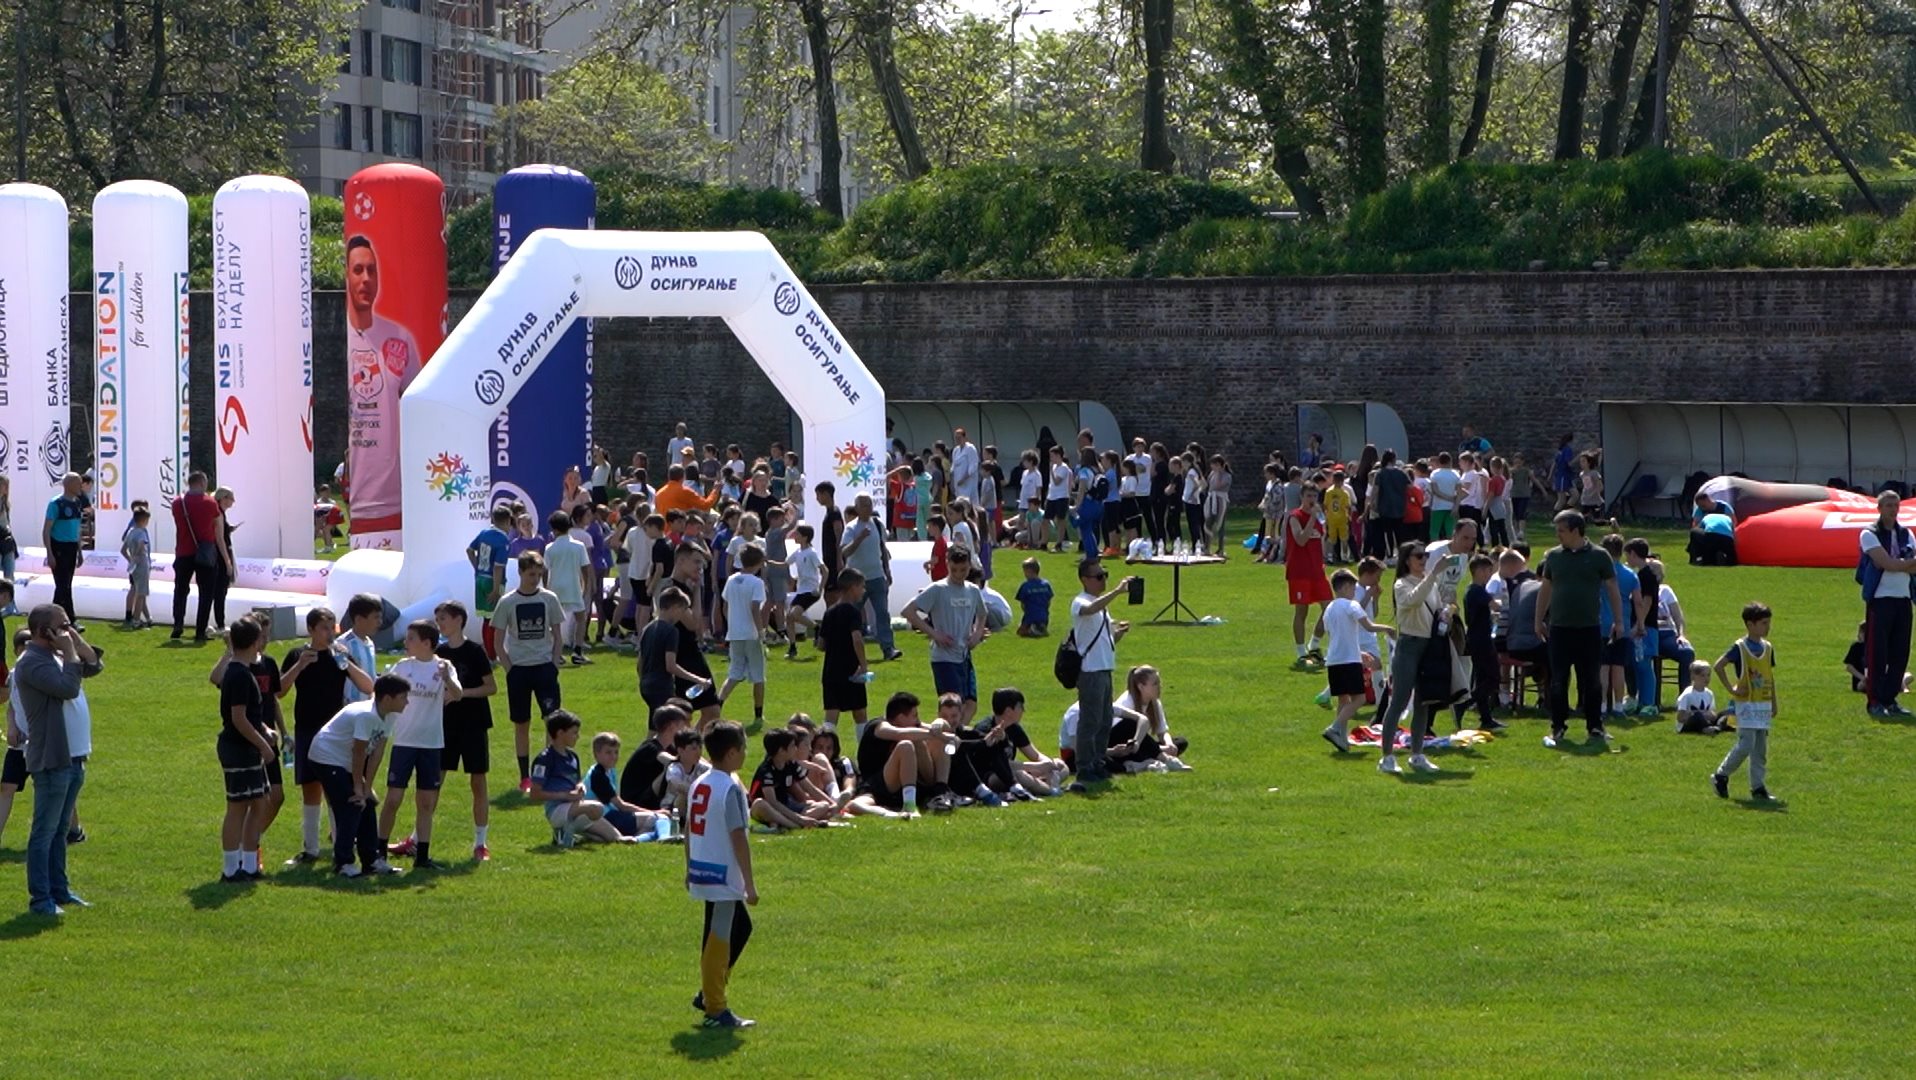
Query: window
x=403, y=5
x=366, y=53
x=346, y=55
x=342, y=127
x=400, y=60
x=366, y=128
x=402, y=135
x=489, y=89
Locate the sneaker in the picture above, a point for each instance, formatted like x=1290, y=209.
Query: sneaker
x=1175, y=765
x=304, y=858
x=1388, y=765
x=1076, y=787
x=525, y=786
x=729, y=1019
x=405, y=847
x=1722, y=785
x=1423, y=764
x=1494, y=725
x=76, y=836
x=993, y=800
x=1760, y=794
x=1601, y=735
x=72, y=901
x=1898, y=710
x=698, y=1001
x=895, y=654
x=959, y=802
x=481, y=853
x=429, y=864
x=382, y=867
x=1020, y=794
x=237, y=877
x=1648, y=712
x=1877, y=712
x=1156, y=766
x=581, y=658
x=350, y=870
x=1551, y=740
x=1337, y=739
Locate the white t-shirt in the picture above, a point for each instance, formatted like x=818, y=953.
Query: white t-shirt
x=1193, y=486
x=716, y=810
x=1091, y=636
x=423, y=723
x=1028, y=486
x=1068, y=727
x=737, y=547
x=1344, y=622
x=742, y=590
x=638, y=552
x=1367, y=600
x=961, y=533
x=1443, y=489
x=807, y=568
x=1060, y=482
x=1127, y=487
x=1894, y=583
x=1665, y=597
x=360, y=722
x=78, y=716
x=1476, y=488
x=1693, y=699
x=566, y=558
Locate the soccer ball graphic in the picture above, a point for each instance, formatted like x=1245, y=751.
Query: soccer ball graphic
x=363, y=206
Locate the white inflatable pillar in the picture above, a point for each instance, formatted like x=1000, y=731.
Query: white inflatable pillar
x=35, y=410
x=263, y=363
x=141, y=423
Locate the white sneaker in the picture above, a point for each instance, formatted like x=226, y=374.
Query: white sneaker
x=1422, y=764
x=350, y=870
x=1550, y=742
x=1388, y=764
x=1154, y=765
x=381, y=866
x=1175, y=765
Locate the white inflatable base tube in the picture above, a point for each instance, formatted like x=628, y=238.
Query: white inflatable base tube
x=381, y=573
x=273, y=575
x=105, y=599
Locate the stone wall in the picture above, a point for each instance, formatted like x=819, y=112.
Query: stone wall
x=1522, y=356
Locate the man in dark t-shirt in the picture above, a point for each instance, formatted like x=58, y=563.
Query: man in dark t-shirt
x=642, y=781
x=1574, y=575
x=830, y=531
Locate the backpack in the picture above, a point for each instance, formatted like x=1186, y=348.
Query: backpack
x=1868, y=574
x=1069, y=663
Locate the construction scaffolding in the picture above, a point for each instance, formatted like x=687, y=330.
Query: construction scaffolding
x=458, y=137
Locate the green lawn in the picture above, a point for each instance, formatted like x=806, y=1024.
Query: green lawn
x=1280, y=910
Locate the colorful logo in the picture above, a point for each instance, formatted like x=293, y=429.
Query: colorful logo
x=363, y=206
x=232, y=424
x=854, y=465
x=449, y=476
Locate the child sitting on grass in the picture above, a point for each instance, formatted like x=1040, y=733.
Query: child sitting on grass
x=1034, y=599
x=1696, y=707
x=1858, y=656
x=602, y=783
x=775, y=793
x=555, y=782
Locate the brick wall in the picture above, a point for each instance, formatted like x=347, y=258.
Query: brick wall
x=1522, y=356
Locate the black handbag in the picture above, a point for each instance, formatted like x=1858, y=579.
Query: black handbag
x=206, y=554
x=1068, y=665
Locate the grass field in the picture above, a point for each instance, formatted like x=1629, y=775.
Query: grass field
x=1280, y=910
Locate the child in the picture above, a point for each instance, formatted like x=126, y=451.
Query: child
x=808, y=572
x=469, y=719
x=1590, y=487
x=1370, y=579
x=527, y=623
x=569, y=576
x=1034, y=598
x=245, y=746
x=1479, y=621
x=364, y=614
x=344, y=757
x=745, y=621
x=555, y=782
x=688, y=765
x=272, y=688
x=419, y=740
x=670, y=664
x=602, y=783
x=1031, y=498
x=136, y=544
x=1346, y=620
x=321, y=671
x=777, y=551
x=1696, y=707
x=1522, y=482
x=775, y=793
x=13, y=774
x=1748, y=671
x=898, y=753
x=325, y=514
x=1338, y=501
x=935, y=532
x=842, y=633
x=904, y=488
x=718, y=871
x=487, y=554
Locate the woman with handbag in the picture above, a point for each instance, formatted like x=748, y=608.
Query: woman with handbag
x=199, y=550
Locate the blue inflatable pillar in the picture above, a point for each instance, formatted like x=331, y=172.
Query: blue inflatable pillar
x=548, y=427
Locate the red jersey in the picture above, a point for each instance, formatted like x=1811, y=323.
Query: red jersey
x=196, y=518
x=1302, y=560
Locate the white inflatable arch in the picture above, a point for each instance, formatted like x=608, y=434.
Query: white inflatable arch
x=560, y=275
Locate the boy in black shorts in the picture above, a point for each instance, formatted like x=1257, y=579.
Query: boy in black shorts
x=245, y=746
x=418, y=741
x=1345, y=621
x=319, y=672
x=842, y=632
x=271, y=688
x=469, y=719
x=898, y=753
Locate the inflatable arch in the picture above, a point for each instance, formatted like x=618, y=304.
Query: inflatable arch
x=558, y=277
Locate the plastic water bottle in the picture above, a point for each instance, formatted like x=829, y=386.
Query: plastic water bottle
x=662, y=827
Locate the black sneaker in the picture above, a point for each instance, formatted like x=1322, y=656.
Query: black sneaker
x=76, y=836
x=1076, y=787
x=961, y=801
x=1494, y=725
x=238, y=877
x=698, y=1001
x=304, y=858
x=942, y=804
x=429, y=864
x=1762, y=795
x=1722, y=785
x=729, y=1019
x=177, y=631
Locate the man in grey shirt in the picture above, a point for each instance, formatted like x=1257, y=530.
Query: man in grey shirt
x=952, y=613
x=48, y=675
x=862, y=548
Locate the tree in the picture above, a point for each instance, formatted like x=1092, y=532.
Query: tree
x=605, y=112
x=874, y=20
x=1486, y=78
x=187, y=91
x=1157, y=22
x=1369, y=121
x=1440, y=39
x=831, y=150
x=1251, y=65
x=1576, y=80
x=1623, y=54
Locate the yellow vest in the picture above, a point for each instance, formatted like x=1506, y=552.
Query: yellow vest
x=1759, y=672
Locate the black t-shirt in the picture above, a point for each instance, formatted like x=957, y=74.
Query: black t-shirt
x=754, y=503
x=318, y=692
x=472, y=665
x=689, y=656
x=600, y=785
x=1855, y=658
x=238, y=686
x=1650, y=580
x=873, y=752
x=835, y=632
x=656, y=645
x=642, y=781
x=1477, y=617
x=828, y=533
x=1015, y=737
x=662, y=555
x=266, y=677
x=768, y=782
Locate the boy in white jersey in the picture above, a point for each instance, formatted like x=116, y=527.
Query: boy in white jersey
x=344, y=757
x=718, y=870
x=419, y=740
x=1347, y=623
x=808, y=574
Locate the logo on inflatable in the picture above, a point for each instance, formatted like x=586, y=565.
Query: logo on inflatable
x=785, y=298
x=6, y=446
x=232, y=424
x=853, y=464
x=628, y=273
x=363, y=206
x=449, y=476
x=490, y=386
x=53, y=453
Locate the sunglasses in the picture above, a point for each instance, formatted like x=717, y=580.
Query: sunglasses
x=1099, y=576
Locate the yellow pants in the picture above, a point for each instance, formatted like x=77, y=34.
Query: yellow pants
x=1337, y=528
x=727, y=929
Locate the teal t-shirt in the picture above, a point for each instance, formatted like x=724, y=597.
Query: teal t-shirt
x=64, y=514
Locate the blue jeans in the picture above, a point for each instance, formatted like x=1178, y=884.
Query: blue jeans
x=1090, y=517
x=1643, y=652
x=878, y=595
x=54, y=793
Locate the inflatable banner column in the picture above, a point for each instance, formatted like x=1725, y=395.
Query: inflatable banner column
x=263, y=362
x=552, y=416
x=34, y=354
x=395, y=320
x=141, y=422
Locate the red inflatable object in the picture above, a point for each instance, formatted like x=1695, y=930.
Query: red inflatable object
x=1823, y=529
x=396, y=319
